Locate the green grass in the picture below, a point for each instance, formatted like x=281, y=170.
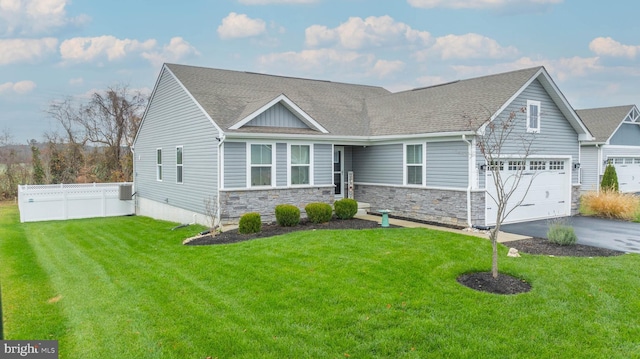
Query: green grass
x=127, y=288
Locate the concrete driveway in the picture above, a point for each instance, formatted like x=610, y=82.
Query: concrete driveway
x=598, y=232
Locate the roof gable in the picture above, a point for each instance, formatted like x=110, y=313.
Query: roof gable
x=294, y=116
x=603, y=122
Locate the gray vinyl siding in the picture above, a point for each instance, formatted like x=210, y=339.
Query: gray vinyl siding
x=630, y=151
x=277, y=116
x=447, y=164
x=281, y=164
x=173, y=119
x=378, y=164
x=627, y=135
x=589, y=165
x=235, y=165
x=322, y=164
x=556, y=137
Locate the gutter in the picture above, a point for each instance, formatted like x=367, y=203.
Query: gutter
x=469, y=180
x=221, y=137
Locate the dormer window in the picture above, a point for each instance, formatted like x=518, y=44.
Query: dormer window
x=533, y=116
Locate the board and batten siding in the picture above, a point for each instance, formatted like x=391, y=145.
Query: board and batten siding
x=628, y=134
x=235, y=164
x=589, y=168
x=556, y=138
x=173, y=119
x=447, y=164
x=322, y=164
x=277, y=116
x=378, y=164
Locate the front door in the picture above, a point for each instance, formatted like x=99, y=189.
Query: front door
x=338, y=171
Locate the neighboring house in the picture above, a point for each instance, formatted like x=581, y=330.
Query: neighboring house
x=617, y=140
x=249, y=141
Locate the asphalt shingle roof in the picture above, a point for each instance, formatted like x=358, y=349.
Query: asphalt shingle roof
x=602, y=122
x=349, y=109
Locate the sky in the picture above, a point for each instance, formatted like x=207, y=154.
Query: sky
x=56, y=49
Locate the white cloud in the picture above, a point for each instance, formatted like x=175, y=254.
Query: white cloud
x=373, y=31
x=560, y=69
x=317, y=60
x=35, y=16
x=240, y=25
x=607, y=46
x=468, y=46
x=84, y=49
x=384, y=68
x=76, y=81
x=29, y=50
x=176, y=50
x=477, y=4
x=268, y=2
x=21, y=87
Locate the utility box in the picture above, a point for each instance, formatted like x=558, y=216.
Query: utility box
x=125, y=192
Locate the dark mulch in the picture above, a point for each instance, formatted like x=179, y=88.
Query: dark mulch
x=504, y=284
x=482, y=281
x=272, y=229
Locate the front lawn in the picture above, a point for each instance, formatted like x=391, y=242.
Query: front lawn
x=126, y=288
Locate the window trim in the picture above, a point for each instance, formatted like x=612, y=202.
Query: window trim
x=180, y=165
x=538, y=105
x=272, y=166
x=159, y=170
x=422, y=165
x=290, y=165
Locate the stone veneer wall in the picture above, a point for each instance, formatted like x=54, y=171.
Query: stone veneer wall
x=575, y=200
x=235, y=203
x=433, y=205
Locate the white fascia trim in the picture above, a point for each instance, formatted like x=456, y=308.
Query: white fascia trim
x=347, y=140
x=624, y=147
x=289, y=105
x=245, y=189
x=220, y=131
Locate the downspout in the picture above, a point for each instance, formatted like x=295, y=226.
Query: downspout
x=469, y=180
x=220, y=139
x=598, y=168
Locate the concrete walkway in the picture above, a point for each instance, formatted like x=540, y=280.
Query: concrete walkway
x=502, y=236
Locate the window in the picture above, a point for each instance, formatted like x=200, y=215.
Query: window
x=179, y=164
x=537, y=165
x=159, y=164
x=533, y=116
x=414, y=164
x=516, y=165
x=495, y=165
x=556, y=165
x=300, y=164
x=261, y=165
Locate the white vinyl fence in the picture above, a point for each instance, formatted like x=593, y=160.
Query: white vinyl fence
x=70, y=201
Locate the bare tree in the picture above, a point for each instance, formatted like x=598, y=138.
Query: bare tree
x=496, y=141
x=211, y=210
x=109, y=120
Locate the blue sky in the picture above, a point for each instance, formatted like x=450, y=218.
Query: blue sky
x=51, y=49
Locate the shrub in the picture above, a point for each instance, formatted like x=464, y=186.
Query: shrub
x=346, y=208
x=610, y=204
x=609, y=179
x=562, y=234
x=287, y=215
x=250, y=223
x=318, y=212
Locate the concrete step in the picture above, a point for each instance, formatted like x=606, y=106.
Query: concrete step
x=363, y=208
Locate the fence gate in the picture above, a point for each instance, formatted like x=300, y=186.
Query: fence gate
x=70, y=201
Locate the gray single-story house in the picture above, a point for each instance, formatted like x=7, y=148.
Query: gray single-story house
x=617, y=140
x=249, y=141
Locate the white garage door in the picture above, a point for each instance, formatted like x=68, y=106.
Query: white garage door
x=628, y=171
x=548, y=196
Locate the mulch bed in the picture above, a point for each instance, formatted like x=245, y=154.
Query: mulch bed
x=481, y=281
